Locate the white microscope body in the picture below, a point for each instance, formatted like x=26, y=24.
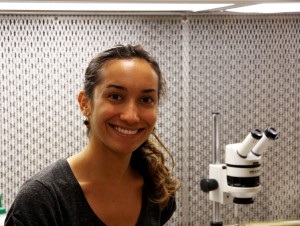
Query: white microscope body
x=238, y=179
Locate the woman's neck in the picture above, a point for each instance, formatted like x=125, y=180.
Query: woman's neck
x=101, y=165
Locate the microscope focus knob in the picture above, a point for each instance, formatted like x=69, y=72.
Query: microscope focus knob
x=208, y=185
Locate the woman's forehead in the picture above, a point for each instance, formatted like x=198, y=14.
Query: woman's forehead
x=131, y=73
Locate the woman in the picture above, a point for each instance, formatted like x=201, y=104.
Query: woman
x=120, y=177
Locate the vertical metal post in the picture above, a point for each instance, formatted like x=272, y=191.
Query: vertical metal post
x=216, y=138
x=216, y=221
x=186, y=207
x=236, y=215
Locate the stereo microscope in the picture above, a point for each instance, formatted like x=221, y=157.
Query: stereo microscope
x=238, y=180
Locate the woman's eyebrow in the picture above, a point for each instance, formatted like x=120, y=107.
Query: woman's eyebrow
x=124, y=88
x=116, y=87
x=149, y=90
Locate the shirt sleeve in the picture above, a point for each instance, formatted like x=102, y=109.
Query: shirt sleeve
x=33, y=206
x=168, y=211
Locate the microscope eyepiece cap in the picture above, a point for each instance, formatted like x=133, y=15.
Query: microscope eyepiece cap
x=256, y=134
x=271, y=133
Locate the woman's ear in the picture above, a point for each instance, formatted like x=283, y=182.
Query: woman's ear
x=84, y=103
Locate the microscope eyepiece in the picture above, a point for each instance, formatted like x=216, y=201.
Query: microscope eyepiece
x=271, y=133
x=256, y=134
x=249, y=142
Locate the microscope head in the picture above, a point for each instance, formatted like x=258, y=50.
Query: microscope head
x=243, y=166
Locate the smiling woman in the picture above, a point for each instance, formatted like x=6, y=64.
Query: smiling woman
x=123, y=109
x=120, y=177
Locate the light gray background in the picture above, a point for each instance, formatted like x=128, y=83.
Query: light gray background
x=245, y=67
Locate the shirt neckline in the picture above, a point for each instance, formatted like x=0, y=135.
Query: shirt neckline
x=87, y=206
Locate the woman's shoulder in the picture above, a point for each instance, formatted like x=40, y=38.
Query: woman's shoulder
x=153, y=214
x=53, y=180
x=45, y=195
x=168, y=211
x=56, y=169
x=56, y=178
x=34, y=203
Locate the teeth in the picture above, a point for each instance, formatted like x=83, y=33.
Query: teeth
x=125, y=131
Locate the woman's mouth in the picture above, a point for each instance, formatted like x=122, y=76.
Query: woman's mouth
x=126, y=131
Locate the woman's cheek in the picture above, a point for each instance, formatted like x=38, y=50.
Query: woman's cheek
x=152, y=117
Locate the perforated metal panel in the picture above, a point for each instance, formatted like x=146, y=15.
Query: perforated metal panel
x=246, y=67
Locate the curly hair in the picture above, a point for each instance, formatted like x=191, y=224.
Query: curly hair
x=148, y=160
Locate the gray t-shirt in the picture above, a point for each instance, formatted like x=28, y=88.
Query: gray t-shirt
x=54, y=197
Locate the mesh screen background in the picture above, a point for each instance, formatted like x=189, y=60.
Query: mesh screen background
x=245, y=67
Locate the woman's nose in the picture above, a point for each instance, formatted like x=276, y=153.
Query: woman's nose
x=130, y=113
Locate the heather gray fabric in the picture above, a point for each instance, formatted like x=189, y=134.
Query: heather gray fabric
x=54, y=197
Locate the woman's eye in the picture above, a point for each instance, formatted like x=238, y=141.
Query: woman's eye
x=115, y=97
x=147, y=100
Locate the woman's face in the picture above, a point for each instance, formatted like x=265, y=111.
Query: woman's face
x=124, y=106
